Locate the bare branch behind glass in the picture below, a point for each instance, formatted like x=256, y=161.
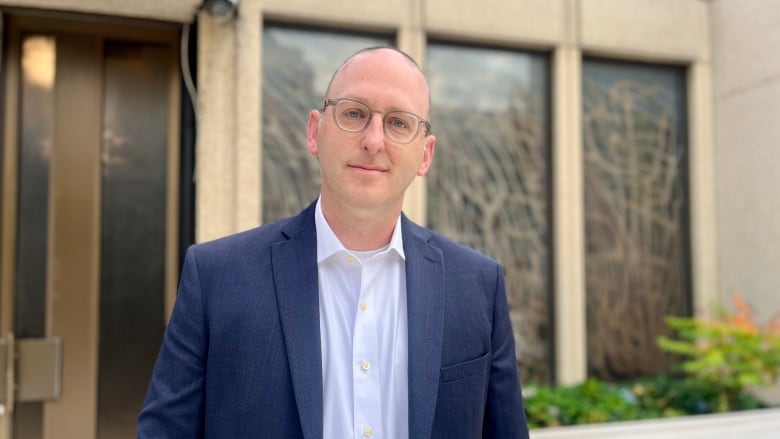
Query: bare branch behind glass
x=635, y=214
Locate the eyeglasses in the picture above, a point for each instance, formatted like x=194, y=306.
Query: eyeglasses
x=354, y=116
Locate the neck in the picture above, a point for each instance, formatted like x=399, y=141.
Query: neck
x=361, y=229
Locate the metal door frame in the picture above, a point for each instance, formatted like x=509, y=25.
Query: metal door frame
x=77, y=252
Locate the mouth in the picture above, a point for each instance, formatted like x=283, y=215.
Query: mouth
x=367, y=169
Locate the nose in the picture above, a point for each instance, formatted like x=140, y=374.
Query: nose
x=374, y=135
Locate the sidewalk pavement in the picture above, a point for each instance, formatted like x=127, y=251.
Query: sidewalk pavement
x=752, y=424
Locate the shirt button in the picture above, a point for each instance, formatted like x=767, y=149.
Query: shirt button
x=351, y=258
x=368, y=431
x=365, y=366
x=363, y=306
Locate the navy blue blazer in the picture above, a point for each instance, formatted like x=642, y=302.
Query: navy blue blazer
x=241, y=353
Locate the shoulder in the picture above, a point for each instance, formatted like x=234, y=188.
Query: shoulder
x=255, y=240
x=454, y=253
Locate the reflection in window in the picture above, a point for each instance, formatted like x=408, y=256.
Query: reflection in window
x=133, y=218
x=635, y=213
x=297, y=66
x=489, y=185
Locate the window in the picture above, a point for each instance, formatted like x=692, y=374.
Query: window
x=489, y=186
x=636, y=213
x=297, y=66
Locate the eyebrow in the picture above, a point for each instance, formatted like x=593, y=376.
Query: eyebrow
x=372, y=107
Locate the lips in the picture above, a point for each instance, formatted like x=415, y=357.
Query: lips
x=368, y=168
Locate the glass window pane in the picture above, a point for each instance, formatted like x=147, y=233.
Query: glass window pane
x=297, y=66
x=35, y=142
x=636, y=208
x=489, y=186
x=132, y=290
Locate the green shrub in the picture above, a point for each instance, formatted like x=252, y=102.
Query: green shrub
x=720, y=357
x=664, y=397
x=727, y=352
x=597, y=401
x=592, y=401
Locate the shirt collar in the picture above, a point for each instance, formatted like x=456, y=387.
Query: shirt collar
x=329, y=244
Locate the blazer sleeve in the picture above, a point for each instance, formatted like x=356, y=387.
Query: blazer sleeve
x=174, y=402
x=504, y=411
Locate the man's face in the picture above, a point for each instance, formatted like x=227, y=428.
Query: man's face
x=366, y=170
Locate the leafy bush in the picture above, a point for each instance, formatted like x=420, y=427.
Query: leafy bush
x=727, y=352
x=592, y=401
x=598, y=401
x=720, y=357
x=664, y=397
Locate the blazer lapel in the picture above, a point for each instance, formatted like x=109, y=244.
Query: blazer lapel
x=294, y=263
x=425, y=315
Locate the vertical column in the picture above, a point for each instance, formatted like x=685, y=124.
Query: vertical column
x=411, y=39
x=215, y=167
x=568, y=245
x=248, y=117
x=228, y=152
x=704, y=256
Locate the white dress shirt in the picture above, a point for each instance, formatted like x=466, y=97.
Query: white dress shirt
x=363, y=331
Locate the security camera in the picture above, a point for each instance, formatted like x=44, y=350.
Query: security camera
x=223, y=9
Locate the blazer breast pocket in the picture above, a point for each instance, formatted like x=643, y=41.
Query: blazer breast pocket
x=465, y=369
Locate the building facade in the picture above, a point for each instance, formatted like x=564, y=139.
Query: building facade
x=616, y=156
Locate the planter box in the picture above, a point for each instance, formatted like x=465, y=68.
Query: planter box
x=751, y=424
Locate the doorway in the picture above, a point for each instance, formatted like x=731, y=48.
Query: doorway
x=89, y=215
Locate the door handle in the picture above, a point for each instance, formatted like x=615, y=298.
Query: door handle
x=7, y=374
x=30, y=370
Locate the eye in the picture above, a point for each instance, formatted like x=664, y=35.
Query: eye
x=354, y=113
x=398, y=123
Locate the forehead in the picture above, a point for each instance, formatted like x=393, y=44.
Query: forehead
x=382, y=78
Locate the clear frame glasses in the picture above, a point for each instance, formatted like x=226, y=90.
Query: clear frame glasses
x=354, y=116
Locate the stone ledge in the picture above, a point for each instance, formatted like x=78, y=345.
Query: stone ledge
x=753, y=424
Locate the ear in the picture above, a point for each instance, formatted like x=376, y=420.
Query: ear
x=312, y=130
x=430, y=144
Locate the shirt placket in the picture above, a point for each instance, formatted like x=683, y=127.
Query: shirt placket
x=365, y=362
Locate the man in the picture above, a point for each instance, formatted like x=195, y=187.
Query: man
x=348, y=320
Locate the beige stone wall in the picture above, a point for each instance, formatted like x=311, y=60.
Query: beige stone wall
x=181, y=11
x=657, y=29
x=746, y=43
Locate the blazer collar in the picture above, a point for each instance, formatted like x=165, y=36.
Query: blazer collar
x=294, y=262
x=425, y=286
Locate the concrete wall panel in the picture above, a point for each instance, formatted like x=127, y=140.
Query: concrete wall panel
x=747, y=38
x=353, y=13
x=748, y=170
x=182, y=11
x=529, y=21
x=664, y=29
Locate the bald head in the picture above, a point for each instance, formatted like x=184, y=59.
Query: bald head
x=380, y=48
x=385, y=53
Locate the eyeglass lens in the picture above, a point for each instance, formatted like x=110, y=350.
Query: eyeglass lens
x=354, y=116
